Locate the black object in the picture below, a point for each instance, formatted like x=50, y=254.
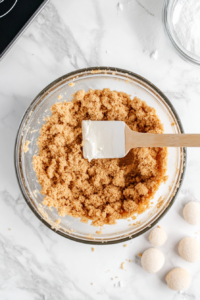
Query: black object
x=15, y=15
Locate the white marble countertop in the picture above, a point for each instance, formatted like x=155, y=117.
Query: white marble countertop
x=35, y=262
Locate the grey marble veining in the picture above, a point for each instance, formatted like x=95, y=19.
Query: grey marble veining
x=36, y=263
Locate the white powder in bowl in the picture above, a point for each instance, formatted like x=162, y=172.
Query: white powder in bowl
x=186, y=23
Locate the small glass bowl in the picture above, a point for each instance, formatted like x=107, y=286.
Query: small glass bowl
x=29, y=130
x=168, y=9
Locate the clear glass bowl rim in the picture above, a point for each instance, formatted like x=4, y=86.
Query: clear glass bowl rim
x=76, y=73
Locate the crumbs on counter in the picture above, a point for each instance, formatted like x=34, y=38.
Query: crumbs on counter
x=140, y=254
x=71, y=84
x=127, y=81
x=125, y=245
x=60, y=97
x=26, y=148
x=122, y=265
x=93, y=249
x=172, y=124
x=99, y=232
x=58, y=221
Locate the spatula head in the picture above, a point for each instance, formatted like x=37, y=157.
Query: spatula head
x=103, y=139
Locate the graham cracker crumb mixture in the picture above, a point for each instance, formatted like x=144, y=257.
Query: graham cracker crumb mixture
x=26, y=148
x=103, y=190
x=71, y=84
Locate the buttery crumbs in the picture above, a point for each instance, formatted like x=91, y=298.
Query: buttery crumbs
x=103, y=190
x=26, y=148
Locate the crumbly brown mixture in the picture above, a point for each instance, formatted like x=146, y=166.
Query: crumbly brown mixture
x=103, y=190
x=26, y=148
x=99, y=232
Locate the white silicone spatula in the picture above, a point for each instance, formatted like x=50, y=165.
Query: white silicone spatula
x=114, y=139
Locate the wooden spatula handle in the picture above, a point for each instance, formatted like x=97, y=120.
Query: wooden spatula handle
x=135, y=139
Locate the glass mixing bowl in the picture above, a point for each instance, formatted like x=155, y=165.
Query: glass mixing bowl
x=167, y=17
x=29, y=130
